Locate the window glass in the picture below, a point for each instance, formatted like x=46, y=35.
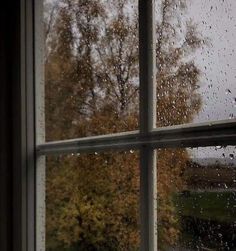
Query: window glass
x=92, y=202
x=196, y=51
x=197, y=198
x=91, y=67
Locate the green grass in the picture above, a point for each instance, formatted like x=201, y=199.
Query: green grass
x=216, y=206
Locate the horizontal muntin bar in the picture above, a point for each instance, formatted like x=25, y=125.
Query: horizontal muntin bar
x=218, y=124
x=90, y=144
x=192, y=135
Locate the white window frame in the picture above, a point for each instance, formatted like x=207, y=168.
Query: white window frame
x=28, y=191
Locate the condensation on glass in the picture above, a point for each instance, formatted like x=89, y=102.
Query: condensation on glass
x=91, y=67
x=197, y=198
x=196, y=58
x=92, y=202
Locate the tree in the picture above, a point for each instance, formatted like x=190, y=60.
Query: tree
x=79, y=219
x=91, y=87
x=177, y=103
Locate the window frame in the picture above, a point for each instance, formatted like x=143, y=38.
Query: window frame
x=25, y=155
x=19, y=143
x=146, y=140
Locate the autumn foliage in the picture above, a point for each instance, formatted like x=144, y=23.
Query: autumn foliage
x=91, y=88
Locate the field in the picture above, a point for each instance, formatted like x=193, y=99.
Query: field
x=217, y=206
x=208, y=219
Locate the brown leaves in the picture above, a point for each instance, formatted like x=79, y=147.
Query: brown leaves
x=94, y=199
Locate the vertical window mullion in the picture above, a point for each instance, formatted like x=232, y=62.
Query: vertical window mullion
x=147, y=123
x=30, y=123
x=40, y=180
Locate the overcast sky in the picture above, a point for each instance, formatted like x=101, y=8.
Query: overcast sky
x=216, y=21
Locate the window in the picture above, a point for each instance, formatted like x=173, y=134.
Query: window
x=119, y=83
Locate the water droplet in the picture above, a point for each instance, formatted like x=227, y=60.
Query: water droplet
x=231, y=116
x=231, y=156
x=234, y=102
x=227, y=91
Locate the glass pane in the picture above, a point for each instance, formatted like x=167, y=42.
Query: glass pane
x=197, y=199
x=91, y=67
x=92, y=202
x=196, y=51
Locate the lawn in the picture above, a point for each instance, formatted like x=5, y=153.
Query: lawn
x=214, y=205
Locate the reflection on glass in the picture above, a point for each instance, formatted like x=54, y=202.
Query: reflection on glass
x=91, y=67
x=92, y=202
x=197, y=199
x=196, y=51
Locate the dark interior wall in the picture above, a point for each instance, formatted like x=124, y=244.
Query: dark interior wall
x=5, y=134
x=9, y=76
